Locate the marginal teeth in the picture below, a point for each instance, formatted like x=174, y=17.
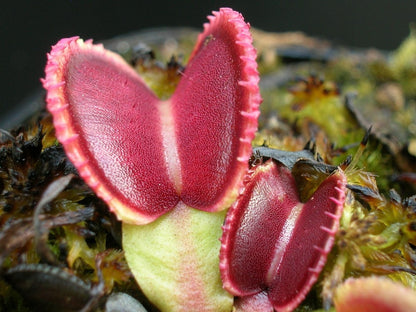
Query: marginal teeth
x=81, y=163
x=314, y=270
x=60, y=126
x=243, y=158
x=55, y=85
x=70, y=139
x=327, y=230
x=336, y=201
x=56, y=108
x=246, y=140
x=253, y=114
x=331, y=215
x=321, y=250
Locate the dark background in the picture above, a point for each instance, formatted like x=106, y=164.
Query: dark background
x=29, y=28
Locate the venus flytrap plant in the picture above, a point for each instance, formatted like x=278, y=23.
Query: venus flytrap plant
x=170, y=168
x=274, y=246
x=167, y=169
x=374, y=294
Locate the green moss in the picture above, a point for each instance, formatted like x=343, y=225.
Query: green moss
x=403, y=64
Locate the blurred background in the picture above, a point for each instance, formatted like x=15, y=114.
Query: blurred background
x=29, y=28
